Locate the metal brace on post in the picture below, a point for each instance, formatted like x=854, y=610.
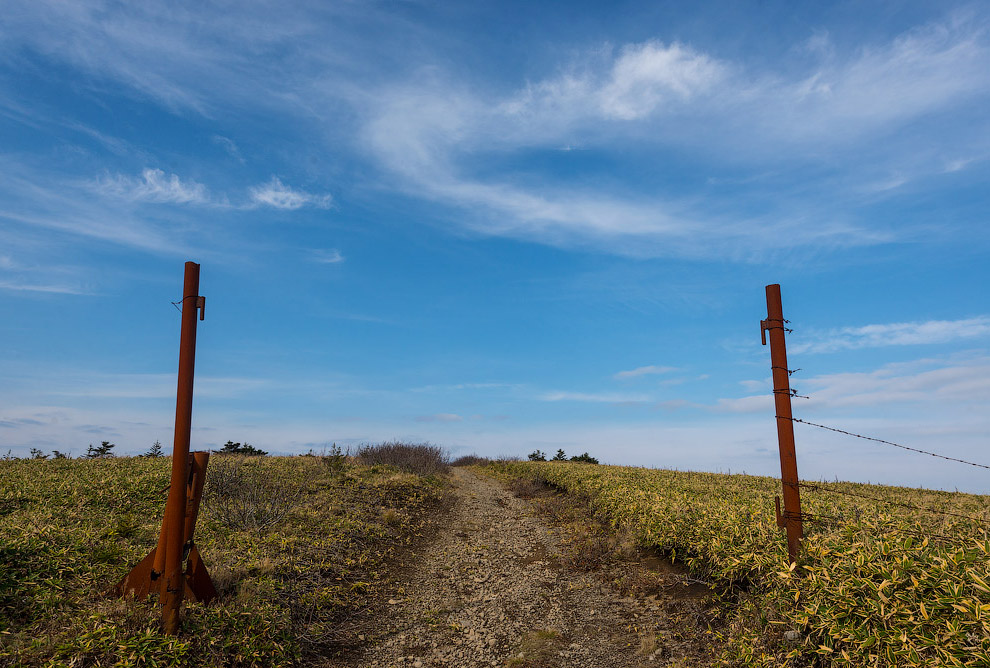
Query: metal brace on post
x=790, y=519
x=161, y=570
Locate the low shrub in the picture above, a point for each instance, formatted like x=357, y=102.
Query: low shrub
x=418, y=458
x=335, y=459
x=244, y=495
x=471, y=460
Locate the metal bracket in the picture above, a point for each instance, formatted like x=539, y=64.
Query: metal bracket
x=201, y=305
x=763, y=331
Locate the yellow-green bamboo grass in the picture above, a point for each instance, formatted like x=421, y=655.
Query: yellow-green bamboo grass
x=70, y=529
x=880, y=585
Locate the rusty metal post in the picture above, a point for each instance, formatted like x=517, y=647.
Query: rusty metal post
x=199, y=585
x=774, y=324
x=173, y=524
x=161, y=571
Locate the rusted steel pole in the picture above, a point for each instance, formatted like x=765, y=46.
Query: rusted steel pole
x=194, y=494
x=173, y=588
x=199, y=585
x=774, y=324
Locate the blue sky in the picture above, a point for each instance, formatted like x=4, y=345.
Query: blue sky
x=501, y=227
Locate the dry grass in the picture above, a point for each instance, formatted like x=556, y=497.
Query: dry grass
x=880, y=584
x=72, y=528
x=471, y=460
x=528, y=488
x=245, y=494
x=536, y=650
x=419, y=458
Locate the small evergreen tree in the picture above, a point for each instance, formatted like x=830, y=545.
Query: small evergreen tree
x=155, y=450
x=585, y=458
x=101, y=452
x=537, y=456
x=559, y=457
x=57, y=454
x=38, y=454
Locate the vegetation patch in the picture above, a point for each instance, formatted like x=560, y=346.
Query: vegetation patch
x=471, y=460
x=419, y=458
x=536, y=650
x=71, y=528
x=878, y=584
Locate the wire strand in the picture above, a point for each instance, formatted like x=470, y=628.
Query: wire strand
x=880, y=440
x=176, y=304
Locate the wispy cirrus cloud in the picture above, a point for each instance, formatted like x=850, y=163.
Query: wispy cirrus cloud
x=644, y=371
x=327, y=256
x=154, y=185
x=228, y=145
x=276, y=194
x=595, y=397
x=960, y=381
x=440, y=417
x=437, y=133
x=895, y=334
x=48, y=288
x=448, y=140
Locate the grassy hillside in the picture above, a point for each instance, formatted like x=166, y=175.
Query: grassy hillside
x=879, y=584
x=288, y=567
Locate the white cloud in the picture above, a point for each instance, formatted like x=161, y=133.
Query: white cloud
x=229, y=146
x=642, y=79
x=647, y=76
x=154, y=185
x=149, y=386
x=327, y=256
x=440, y=417
x=437, y=135
x=604, y=398
x=760, y=403
x=277, y=194
x=644, y=371
x=895, y=334
x=962, y=381
x=46, y=288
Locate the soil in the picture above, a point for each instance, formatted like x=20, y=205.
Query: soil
x=505, y=584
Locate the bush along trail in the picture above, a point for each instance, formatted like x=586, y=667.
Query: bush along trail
x=519, y=583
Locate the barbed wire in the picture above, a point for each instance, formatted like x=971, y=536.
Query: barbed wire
x=880, y=440
x=176, y=304
x=791, y=392
x=902, y=504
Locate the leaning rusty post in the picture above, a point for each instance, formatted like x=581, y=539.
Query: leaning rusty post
x=161, y=571
x=173, y=524
x=791, y=518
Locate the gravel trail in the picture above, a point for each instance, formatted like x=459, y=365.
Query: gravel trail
x=489, y=591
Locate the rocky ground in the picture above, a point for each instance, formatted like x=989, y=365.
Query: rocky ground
x=499, y=585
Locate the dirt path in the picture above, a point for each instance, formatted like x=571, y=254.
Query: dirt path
x=490, y=591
